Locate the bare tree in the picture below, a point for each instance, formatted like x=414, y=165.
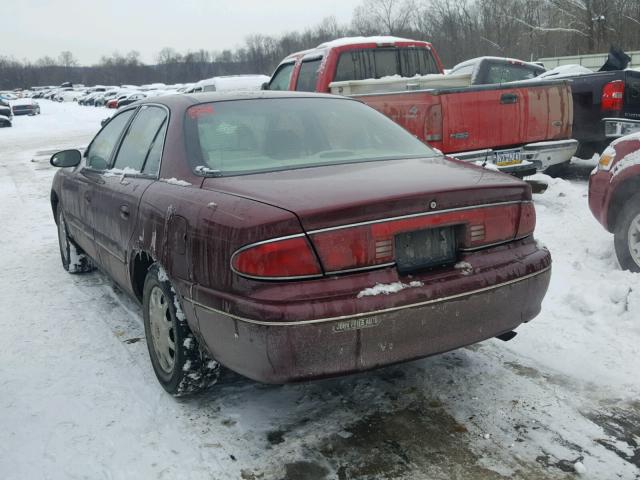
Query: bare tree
x=392, y=17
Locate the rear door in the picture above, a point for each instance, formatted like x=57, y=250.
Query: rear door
x=117, y=197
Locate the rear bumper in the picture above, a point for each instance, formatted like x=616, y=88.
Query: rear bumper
x=388, y=329
x=619, y=127
x=535, y=156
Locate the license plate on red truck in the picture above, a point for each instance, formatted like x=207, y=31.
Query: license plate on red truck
x=506, y=158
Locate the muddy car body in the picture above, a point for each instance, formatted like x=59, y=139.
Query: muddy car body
x=298, y=271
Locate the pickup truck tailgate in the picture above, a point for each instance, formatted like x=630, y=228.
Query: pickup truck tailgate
x=496, y=116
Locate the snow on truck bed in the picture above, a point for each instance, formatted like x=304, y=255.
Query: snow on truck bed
x=79, y=399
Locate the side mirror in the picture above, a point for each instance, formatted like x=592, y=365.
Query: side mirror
x=264, y=86
x=66, y=158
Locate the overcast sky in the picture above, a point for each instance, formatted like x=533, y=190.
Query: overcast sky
x=91, y=28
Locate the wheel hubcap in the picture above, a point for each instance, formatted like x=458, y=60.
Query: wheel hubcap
x=161, y=326
x=634, y=239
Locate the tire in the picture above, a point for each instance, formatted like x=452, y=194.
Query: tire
x=627, y=235
x=74, y=260
x=181, y=366
x=558, y=169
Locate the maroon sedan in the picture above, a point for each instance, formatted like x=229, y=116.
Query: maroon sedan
x=295, y=236
x=614, y=197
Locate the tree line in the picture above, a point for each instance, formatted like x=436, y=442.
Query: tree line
x=459, y=30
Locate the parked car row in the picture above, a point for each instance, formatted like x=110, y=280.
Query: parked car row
x=12, y=105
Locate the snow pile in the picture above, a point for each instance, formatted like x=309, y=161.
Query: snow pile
x=589, y=327
x=630, y=160
x=175, y=181
x=120, y=172
x=387, y=288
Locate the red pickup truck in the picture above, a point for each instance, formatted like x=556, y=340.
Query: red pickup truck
x=520, y=127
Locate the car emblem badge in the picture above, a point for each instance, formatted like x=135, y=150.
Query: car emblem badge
x=356, y=324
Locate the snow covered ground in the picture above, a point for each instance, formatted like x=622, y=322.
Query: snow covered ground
x=78, y=397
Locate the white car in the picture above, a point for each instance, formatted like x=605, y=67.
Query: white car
x=229, y=83
x=69, y=95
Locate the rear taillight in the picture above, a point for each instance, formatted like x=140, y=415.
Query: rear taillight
x=612, y=96
x=288, y=258
x=371, y=245
x=433, y=124
x=527, y=222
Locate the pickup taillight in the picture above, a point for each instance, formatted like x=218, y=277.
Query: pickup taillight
x=612, y=96
x=433, y=124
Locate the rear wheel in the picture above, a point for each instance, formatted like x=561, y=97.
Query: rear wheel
x=627, y=235
x=74, y=260
x=181, y=366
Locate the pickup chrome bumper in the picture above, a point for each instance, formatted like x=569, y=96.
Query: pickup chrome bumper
x=619, y=127
x=527, y=160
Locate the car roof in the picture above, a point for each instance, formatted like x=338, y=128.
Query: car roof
x=185, y=100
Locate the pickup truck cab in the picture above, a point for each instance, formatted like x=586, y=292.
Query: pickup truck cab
x=614, y=197
x=521, y=128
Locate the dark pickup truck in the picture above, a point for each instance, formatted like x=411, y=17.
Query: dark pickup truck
x=606, y=105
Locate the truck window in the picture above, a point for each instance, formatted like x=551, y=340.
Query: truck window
x=384, y=62
x=281, y=78
x=510, y=73
x=308, y=76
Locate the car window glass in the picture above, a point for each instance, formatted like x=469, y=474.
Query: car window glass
x=308, y=76
x=384, y=62
x=467, y=69
x=245, y=136
x=102, y=146
x=282, y=78
x=138, y=140
x=152, y=164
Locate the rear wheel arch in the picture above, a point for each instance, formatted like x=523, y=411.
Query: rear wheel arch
x=622, y=193
x=140, y=263
x=55, y=203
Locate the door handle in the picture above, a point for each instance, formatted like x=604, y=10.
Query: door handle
x=508, y=98
x=124, y=212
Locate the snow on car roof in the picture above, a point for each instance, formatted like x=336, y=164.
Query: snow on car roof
x=338, y=42
x=505, y=59
x=566, y=71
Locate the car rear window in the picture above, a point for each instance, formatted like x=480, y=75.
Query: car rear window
x=384, y=62
x=250, y=136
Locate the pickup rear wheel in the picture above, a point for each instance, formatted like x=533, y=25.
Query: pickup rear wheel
x=74, y=260
x=627, y=235
x=181, y=366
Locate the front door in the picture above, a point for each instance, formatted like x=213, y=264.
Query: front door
x=117, y=199
x=79, y=188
